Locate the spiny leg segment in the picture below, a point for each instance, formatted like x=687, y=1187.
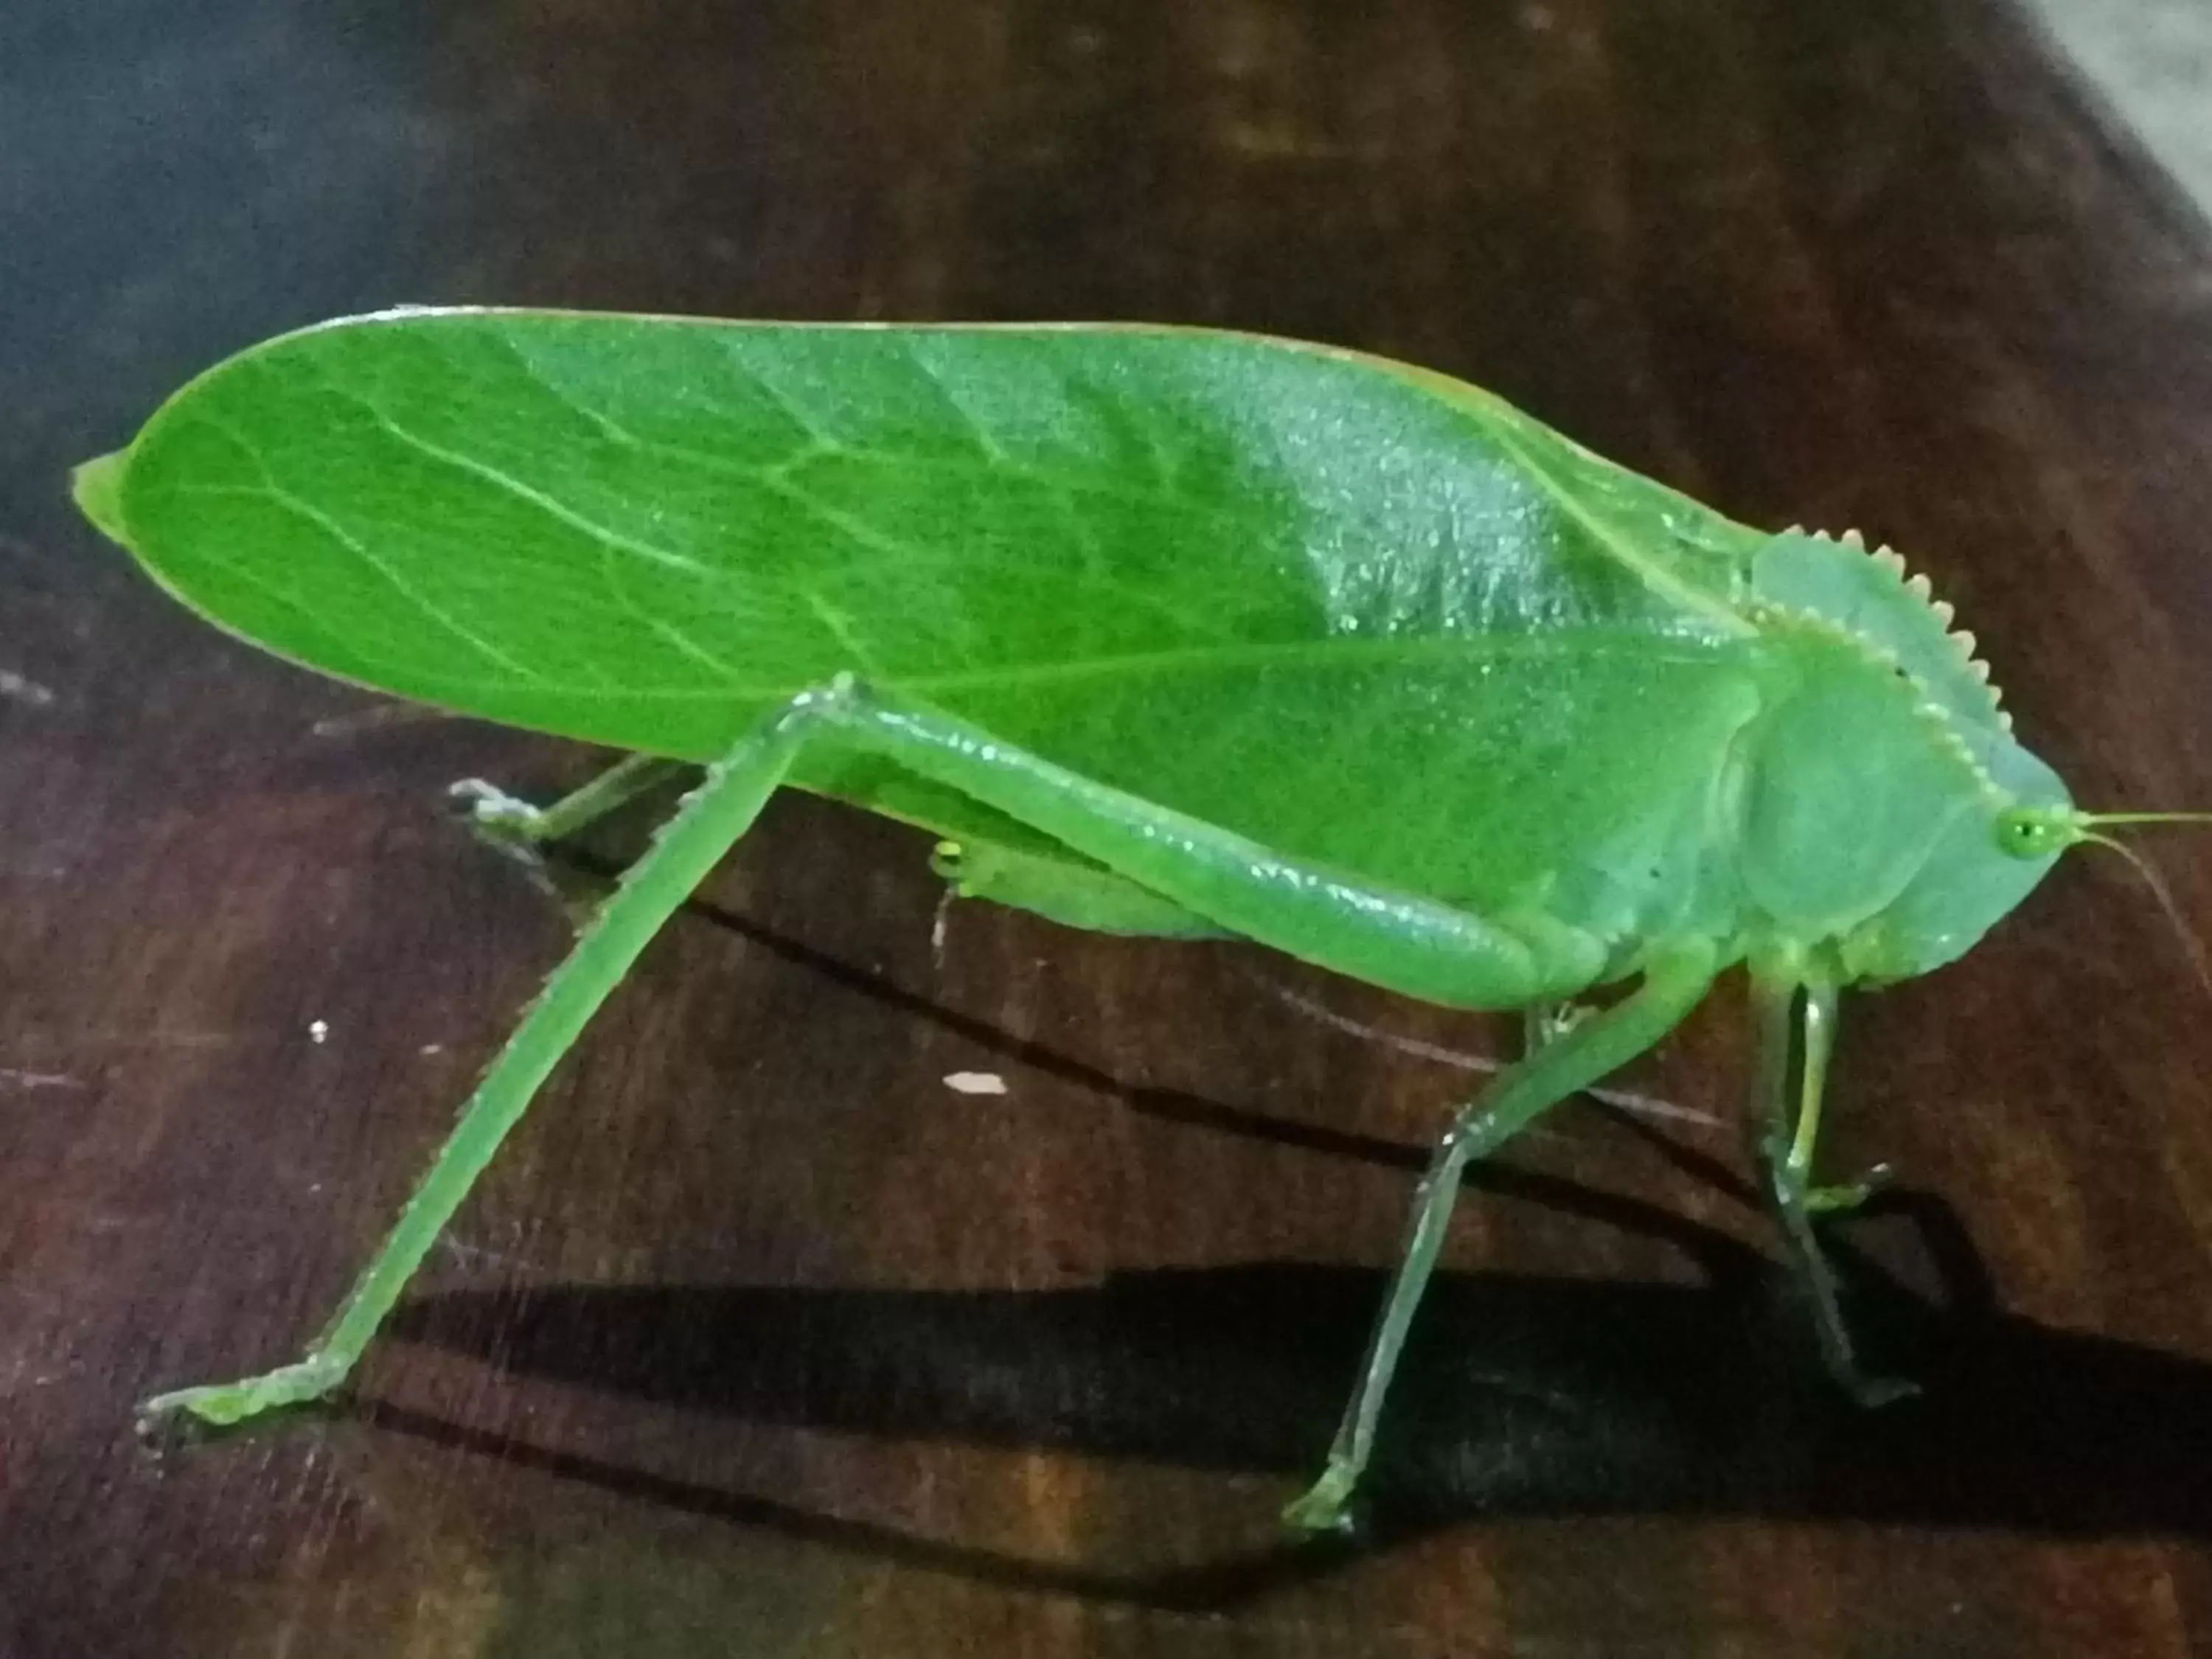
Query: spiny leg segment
x=688, y=846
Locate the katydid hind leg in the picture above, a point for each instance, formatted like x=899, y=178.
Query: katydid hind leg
x=1400, y=941
x=687, y=848
x=1196, y=878
x=1801, y=1018
x=1567, y=1062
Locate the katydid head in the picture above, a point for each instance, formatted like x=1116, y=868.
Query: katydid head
x=1946, y=802
x=1962, y=892
x=1996, y=845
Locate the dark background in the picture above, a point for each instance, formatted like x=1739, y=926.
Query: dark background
x=761, y=1341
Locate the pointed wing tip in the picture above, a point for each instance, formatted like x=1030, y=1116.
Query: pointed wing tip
x=96, y=486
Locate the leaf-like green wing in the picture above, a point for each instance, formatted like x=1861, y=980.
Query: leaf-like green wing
x=1258, y=580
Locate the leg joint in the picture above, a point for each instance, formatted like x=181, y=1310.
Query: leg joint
x=843, y=695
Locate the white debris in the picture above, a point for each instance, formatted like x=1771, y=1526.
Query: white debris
x=16, y=689
x=16, y=1078
x=318, y=1031
x=976, y=1082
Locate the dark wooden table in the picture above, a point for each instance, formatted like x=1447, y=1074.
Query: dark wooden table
x=761, y=1341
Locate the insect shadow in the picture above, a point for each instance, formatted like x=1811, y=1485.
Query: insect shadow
x=1521, y=1396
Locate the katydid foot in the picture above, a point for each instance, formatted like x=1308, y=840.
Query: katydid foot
x=1842, y=1198
x=508, y=824
x=497, y=818
x=516, y=830
x=1325, y=1506
x=226, y=1405
x=1796, y=1203
x=514, y=825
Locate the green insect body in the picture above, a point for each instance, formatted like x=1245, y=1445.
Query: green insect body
x=1161, y=631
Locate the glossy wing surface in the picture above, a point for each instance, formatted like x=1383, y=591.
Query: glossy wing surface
x=1361, y=611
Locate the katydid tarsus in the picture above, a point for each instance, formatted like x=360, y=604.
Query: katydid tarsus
x=1161, y=631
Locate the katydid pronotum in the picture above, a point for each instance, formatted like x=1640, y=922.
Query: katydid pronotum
x=1161, y=631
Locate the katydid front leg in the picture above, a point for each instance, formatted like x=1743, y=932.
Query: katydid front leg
x=1787, y=1137
x=1568, y=1061
x=1818, y=1014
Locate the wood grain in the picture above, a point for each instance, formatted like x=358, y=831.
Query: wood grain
x=761, y=1339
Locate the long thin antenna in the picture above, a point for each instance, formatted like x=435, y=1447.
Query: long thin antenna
x=1648, y=1106
x=2156, y=883
x=2141, y=817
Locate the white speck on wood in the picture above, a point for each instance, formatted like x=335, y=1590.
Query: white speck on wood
x=976, y=1082
x=15, y=1078
x=319, y=1030
x=16, y=689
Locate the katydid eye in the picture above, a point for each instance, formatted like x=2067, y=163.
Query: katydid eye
x=2028, y=834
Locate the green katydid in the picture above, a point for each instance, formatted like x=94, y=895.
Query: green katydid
x=1161, y=631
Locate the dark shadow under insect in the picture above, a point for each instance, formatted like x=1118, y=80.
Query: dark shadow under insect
x=1521, y=1397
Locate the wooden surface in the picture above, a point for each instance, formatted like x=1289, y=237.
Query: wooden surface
x=761, y=1339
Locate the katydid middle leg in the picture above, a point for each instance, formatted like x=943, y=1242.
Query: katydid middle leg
x=513, y=824
x=516, y=830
